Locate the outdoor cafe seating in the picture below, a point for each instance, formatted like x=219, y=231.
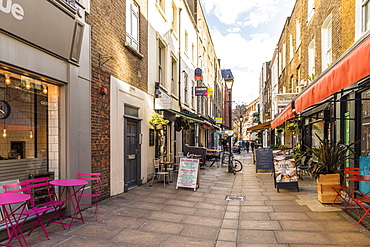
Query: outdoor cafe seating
x=36, y=198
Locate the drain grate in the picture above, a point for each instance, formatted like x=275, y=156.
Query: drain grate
x=235, y=198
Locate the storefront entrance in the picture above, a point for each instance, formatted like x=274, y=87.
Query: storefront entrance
x=132, y=159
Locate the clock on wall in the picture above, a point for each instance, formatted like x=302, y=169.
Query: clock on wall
x=4, y=109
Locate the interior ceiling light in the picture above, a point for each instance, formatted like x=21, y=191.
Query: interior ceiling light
x=7, y=79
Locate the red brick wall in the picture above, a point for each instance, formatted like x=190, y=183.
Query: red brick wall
x=108, y=40
x=100, y=129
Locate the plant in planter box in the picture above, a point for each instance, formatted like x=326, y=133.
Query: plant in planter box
x=330, y=158
x=182, y=123
x=157, y=121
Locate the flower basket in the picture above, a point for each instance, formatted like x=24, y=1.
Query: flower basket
x=157, y=120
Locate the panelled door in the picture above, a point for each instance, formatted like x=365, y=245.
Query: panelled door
x=132, y=159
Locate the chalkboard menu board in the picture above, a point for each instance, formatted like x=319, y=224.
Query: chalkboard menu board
x=264, y=159
x=188, y=173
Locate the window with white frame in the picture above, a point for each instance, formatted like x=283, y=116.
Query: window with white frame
x=284, y=56
x=161, y=63
x=186, y=42
x=192, y=94
x=365, y=15
x=291, y=48
x=311, y=60
x=293, y=87
x=162, y=4
x=280, y=63
x=192, y=52
x=132, y=24
x=326, y=43
x=310, y=9
x=186, y=92
x=297, y=34
x=174, y=18
x=174, y=84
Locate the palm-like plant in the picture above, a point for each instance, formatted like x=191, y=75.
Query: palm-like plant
x=330, y=156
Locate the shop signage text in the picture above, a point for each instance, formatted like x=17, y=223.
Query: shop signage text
x=200, y=91
x=16, y=9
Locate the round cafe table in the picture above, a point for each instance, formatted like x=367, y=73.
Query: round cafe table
x=12, y=220
x=70, y=188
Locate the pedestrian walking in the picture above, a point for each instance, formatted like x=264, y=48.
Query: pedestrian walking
x=253, y=146
x=247, y=146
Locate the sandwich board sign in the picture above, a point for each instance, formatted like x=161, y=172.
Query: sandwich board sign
x=188, y=173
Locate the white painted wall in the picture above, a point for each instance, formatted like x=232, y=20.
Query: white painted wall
x=123, y=93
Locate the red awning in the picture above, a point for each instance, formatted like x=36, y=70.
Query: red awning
x=352, y=68
x=284, y=116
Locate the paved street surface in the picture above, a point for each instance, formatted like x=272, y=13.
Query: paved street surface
x=158, y=216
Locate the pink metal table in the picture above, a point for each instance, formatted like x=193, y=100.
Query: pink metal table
x=71, y=187
x=12, y=220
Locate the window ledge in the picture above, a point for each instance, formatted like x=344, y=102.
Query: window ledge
x=133, y=50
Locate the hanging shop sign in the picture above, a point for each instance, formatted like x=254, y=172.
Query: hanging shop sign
x=218, y=120
x=210, y=91
x=201, y=91
x=162, y=103
x=198, y=74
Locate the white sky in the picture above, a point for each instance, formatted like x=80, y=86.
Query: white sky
x=245, y=34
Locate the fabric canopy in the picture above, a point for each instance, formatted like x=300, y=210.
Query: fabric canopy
x=284, y=116
x=352, y=68
x=261, y=126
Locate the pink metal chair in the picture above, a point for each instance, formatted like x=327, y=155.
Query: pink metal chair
x=43, y=194
x=94, y=179
x=24, y=187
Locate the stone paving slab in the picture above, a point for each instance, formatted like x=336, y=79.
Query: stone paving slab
x=169, y=217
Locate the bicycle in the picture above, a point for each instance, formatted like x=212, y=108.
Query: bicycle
x=234, y=165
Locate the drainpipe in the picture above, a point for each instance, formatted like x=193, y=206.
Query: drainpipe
x=179, y=89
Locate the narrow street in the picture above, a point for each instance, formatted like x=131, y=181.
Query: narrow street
x=158, y=216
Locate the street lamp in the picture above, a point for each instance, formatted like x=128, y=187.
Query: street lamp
x=241, y=127
x=229, y=84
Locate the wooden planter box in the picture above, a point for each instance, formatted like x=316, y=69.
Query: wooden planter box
x=325, y=192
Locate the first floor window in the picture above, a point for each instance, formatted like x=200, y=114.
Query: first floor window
x=132, y=24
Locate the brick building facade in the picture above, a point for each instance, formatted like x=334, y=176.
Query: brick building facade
x=112, y=56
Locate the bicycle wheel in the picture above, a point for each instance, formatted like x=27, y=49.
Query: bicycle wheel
x=237, y=166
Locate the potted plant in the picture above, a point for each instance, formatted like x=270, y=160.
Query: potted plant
x=182, y=123
x=157, y=121
x=292, y=128
x=330, y=158
x=279, y=131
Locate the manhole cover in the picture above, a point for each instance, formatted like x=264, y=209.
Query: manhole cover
x=235, y=198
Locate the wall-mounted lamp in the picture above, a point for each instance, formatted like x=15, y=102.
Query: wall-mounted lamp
x=103, y=91
x=7, y=79
x=31, y=134
x=44, y=89
x=28, y=84
x=4, y=132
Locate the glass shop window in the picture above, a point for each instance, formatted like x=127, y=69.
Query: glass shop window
x=29, y=125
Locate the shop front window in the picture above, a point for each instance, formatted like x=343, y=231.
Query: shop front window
x=317, y=130
x=364, y=161
x=29, y=119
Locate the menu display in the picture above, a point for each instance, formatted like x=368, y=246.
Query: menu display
x=188, y=173
x=264, y=159
x=285, y=171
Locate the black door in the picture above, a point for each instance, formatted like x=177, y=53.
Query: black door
x=132, y=154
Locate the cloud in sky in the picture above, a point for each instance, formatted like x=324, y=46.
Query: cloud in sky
x=245, y=34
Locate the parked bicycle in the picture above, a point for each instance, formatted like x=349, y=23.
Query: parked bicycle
x=234, y=165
